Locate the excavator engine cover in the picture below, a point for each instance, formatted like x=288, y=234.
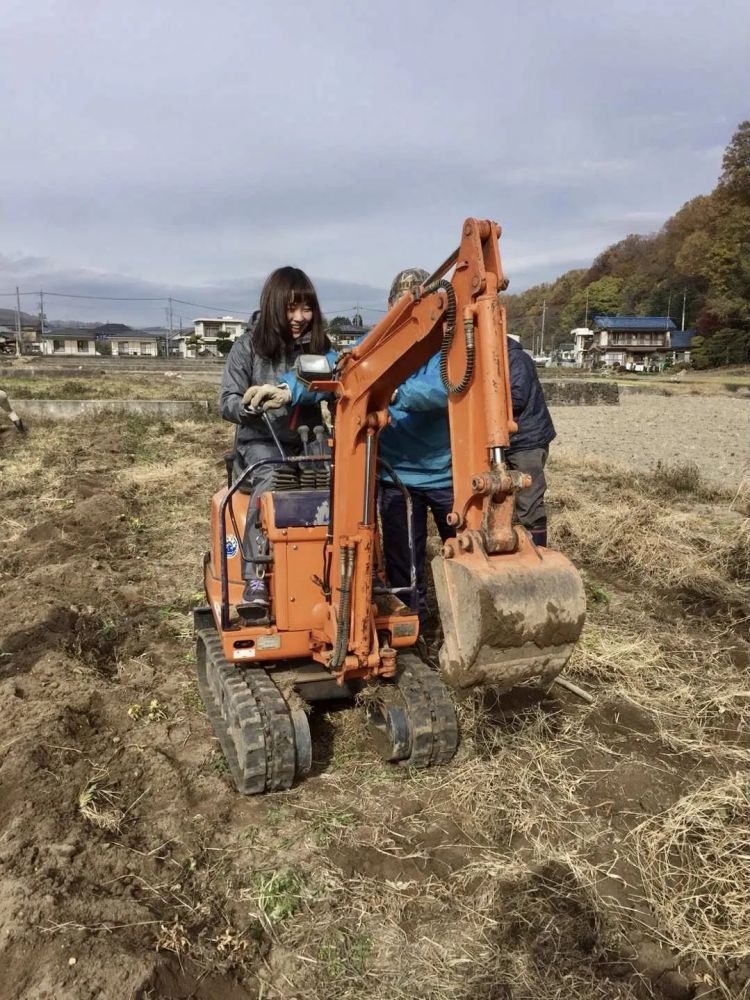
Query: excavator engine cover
x=507, y=618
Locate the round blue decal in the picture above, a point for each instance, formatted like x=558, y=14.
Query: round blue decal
x=231, y=547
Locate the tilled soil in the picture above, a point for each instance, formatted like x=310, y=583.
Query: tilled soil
x=130, y=868
x=646, y=430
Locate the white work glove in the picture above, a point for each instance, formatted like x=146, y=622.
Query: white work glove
x=267, y=397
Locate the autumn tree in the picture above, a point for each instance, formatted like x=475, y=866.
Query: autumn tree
x=735, y=174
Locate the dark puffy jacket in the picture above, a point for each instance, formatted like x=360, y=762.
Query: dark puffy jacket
x=535, y=427
x=243, y=368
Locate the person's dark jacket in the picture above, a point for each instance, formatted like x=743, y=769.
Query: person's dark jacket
x=535, y=427
x=245, y=367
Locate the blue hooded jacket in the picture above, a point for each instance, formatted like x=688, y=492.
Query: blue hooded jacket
x=416, y=442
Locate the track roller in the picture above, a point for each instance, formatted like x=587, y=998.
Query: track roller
x=265, y=742
x=413, y=720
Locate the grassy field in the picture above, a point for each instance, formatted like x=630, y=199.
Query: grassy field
x=570, y=850
x=108, y=386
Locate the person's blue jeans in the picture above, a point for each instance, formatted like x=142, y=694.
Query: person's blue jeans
x=396, y=537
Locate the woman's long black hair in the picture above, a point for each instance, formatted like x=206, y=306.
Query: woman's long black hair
x=285, y=287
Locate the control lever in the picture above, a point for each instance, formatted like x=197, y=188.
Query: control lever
x=250, y=411
x=304, y=433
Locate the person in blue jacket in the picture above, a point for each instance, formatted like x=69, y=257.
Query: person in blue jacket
x=416, y=444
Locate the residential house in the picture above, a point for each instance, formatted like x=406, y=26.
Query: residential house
x=680, y=343
x=30, y=327
x=344, y=335
x=203, y=340
x=76, y=342
x=636, y=343
x=127, y=342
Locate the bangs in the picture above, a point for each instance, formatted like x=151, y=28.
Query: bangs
x=302, y=296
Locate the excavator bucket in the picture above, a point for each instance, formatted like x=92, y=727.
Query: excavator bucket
x=507, y=618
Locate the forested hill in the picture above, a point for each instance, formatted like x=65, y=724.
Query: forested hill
x=701, y=253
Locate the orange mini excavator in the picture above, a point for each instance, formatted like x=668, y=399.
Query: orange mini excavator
x=511, y=612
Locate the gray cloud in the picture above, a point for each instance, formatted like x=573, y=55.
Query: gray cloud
x=190, y=146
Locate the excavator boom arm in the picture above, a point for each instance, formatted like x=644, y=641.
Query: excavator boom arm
x=462, y=318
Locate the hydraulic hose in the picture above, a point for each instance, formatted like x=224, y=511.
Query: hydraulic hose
x=449, y=331
x=342, y=629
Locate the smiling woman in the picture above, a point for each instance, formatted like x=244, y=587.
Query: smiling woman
x=290, y=324
x=289, y=309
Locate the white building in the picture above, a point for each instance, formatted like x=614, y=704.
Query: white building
x=68, y=342
x=208, y=330
x=582, y=341
x=135, y=345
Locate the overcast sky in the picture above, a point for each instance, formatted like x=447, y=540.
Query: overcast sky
x=189, y=147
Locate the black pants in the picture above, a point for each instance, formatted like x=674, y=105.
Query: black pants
x=530, y=509
x=396, y=537
x=255, y=543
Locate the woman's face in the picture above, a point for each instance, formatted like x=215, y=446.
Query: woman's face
x=299, y=317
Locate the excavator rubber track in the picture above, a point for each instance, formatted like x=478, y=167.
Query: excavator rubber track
x=266, y=742
x=413, y=720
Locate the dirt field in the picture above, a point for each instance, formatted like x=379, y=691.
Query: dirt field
x=712, y=432
x=570, y=851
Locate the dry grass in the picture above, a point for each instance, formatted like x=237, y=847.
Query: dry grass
x=98, y=802
x=651, y=533
x=695, y=859
x=681, y=680
x=107, y=386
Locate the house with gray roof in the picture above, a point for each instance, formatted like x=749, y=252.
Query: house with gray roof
x=127, y=342
x=74, y=341
x=636, y=343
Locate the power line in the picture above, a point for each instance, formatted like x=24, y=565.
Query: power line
x=224, y=310
x=106, y=298
x=202, y=305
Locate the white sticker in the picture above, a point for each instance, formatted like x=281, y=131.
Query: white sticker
x=268, y=642
x=231, y=548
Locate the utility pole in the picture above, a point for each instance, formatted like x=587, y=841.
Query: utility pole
x=544, y=317
x=684, y=299
x=669, y=305
x=586, y=321
x=171, y=325
x=18, y=323
x=41, y=310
